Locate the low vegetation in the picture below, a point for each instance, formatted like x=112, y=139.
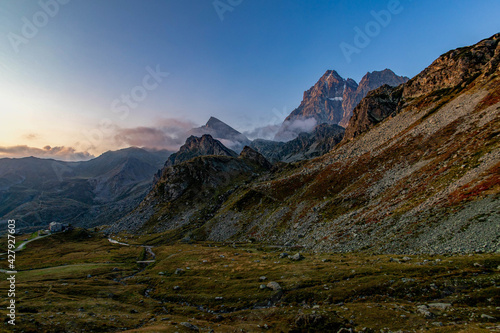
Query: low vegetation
x=77, y=281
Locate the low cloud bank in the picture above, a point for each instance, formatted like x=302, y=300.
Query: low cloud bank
x=167, y=134
x=59, y=153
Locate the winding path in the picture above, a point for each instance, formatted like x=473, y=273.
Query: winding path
x=21, y=246
x=148, y=249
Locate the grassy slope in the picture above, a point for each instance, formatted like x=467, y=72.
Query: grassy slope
x=79, y=282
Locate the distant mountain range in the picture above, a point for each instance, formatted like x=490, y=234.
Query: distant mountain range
x=37, y=191
x=331, y=101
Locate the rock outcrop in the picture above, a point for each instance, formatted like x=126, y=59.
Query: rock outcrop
x=369, y=82
x=188, y=193
x=331, y=100
x=254, y=157
x=447, y=77
x=203, y=146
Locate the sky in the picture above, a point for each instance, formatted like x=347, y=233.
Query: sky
x=80, y=77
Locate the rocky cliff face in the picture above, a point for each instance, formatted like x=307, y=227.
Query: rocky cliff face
x=331, y=100
x=369, y=82
x=252, y=156
x=450, y=75
x=203, y=146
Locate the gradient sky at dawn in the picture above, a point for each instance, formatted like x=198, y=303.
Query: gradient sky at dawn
x=62, y=84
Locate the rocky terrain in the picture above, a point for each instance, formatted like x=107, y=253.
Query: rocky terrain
x=188, y=193
x=331, y=100
x=417, y=172
x=194, y=146
x=36, y=191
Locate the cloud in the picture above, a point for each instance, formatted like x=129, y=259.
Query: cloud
x=290, y=129
x=59, y=153
x=166, y=134
x=265, y=132
x=31, y=136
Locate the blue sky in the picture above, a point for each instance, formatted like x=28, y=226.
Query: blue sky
x=250, y=69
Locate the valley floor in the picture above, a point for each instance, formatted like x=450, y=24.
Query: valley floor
x=79, y=281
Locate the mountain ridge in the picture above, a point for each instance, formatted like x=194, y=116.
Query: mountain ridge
x=417, y=172
x=332, y=99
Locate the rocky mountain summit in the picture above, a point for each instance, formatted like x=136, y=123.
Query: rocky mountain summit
x=194, y=146
x=417, y=172
x=332, y=99
x=369, y=82
x=224, y=133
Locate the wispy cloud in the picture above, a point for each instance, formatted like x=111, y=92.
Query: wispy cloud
x=265, y=132
x=30, y=136
x=166, y=134
x=59, y=153
x=290, y=129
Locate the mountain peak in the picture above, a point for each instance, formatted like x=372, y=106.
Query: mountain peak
x=199, y=146
x=331, y=73
x=332, y=99
x=223, y=132
x=212, y=121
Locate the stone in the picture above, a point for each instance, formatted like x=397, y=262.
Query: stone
x=283, y=255
x=190, y=326
x=487, y=317
x=424, y=310
x=274, y=285
x=439, y=306
x=296, y=257
x=262, y=278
